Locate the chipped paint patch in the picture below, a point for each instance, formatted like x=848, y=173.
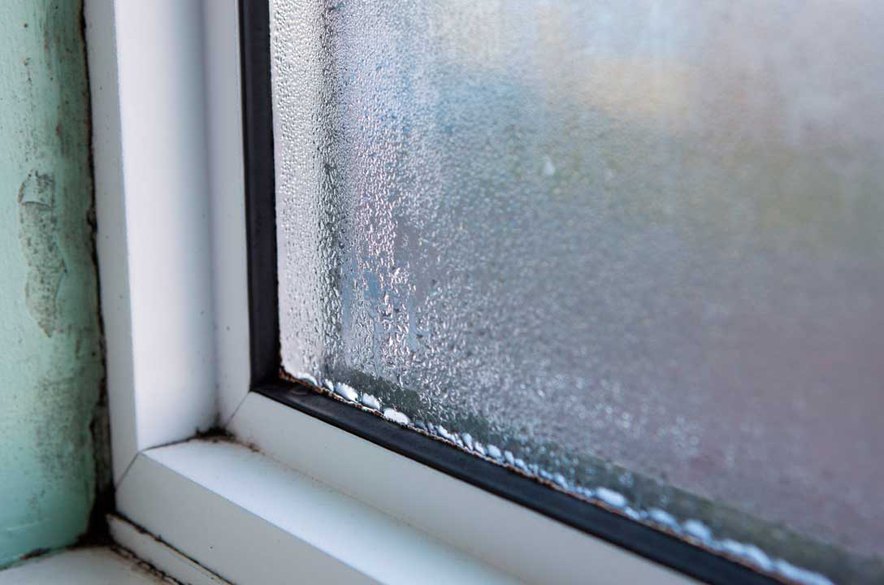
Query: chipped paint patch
x=38, y=227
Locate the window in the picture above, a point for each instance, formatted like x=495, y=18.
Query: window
x=630, y=252
x=633, y=248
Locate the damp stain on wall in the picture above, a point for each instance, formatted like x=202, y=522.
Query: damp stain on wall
x=51, y=370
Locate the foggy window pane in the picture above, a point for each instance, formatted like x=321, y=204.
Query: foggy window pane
x=636, y=248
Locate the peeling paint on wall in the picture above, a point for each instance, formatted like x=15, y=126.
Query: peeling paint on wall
x=51, y=371
x=39, y=242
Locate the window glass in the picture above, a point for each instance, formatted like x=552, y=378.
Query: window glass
x=631, y=248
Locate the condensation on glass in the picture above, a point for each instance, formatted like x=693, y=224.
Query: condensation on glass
x=633, y=248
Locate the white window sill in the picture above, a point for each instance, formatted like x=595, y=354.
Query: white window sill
x=329, y=507
x=84, y=566
x=202, y=498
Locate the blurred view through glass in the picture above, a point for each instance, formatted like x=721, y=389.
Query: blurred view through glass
x=635, y=247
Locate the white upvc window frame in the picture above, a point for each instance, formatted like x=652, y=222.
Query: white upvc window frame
x=291, y=498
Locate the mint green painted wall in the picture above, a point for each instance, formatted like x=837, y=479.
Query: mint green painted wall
x=50, y=358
